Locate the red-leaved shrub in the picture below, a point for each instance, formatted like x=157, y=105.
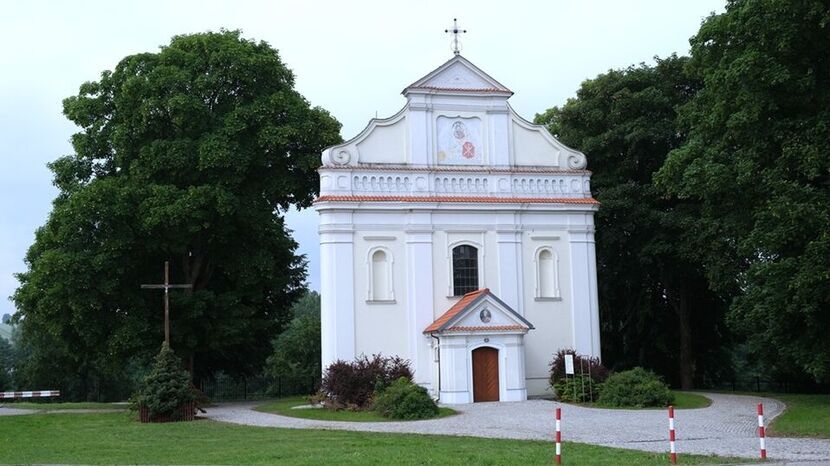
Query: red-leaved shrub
x=351, y=384
x=583, y=364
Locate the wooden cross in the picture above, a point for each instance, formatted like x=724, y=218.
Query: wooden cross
x=456, y=45
x=166, y=287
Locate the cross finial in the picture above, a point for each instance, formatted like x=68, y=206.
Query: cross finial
x=455, y=31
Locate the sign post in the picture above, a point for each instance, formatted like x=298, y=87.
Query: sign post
x=569, y=369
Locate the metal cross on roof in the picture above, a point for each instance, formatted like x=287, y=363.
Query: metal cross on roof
x=456, y=44
x=166, y=287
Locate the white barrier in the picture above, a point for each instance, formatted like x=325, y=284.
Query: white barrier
x=29, y=394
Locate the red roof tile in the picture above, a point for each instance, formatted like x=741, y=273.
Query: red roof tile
x=466, y=199
x=455, y=309
x=462, y=89
x=484, y=327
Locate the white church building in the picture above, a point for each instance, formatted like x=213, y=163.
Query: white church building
x=459, y=236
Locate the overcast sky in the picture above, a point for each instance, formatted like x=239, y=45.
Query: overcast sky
x=350, y=57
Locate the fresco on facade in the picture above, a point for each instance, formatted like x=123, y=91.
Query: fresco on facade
x=459, y=141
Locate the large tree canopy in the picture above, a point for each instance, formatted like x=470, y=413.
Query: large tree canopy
x=189, y=155
x=757, y=157
x=655, y=306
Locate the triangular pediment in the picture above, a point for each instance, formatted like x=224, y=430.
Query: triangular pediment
x=480, y=312
x=458, y=75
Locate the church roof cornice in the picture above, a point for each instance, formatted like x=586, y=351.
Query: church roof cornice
x=456, y=169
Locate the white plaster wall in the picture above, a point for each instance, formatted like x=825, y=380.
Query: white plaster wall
x=551, y=317
x=380, y=327
x=531, y=148
x=387, y=143
x=386, y=327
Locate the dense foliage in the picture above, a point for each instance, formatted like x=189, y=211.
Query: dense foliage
x=351, y=384
x=757, y=158
x=6, y=365
x=635, y=388
x=297, y=351
x=190, y=155
x=655, y=306
x=167, y=387
x=713, y=176
x=403, y=399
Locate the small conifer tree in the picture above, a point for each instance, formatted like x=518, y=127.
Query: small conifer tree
x=167, y=387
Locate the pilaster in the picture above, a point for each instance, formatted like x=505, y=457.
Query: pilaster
x=337, y=304
x=584, y=303
x=419, y=304
x=509, y=240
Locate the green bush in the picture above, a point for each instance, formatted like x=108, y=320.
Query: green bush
x=167, y=387
x=576, y=389
x=405, y=400
x=637, y=388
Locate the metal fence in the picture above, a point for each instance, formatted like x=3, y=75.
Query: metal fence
x=761, y=384
x=254, y=388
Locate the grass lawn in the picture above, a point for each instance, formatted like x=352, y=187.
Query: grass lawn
x=688, y=400
x=62, y=406
x=115, y=438
x=682, y=400
x=805, y=416
x=283, y=407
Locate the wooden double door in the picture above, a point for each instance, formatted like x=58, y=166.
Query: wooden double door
x=485, y=374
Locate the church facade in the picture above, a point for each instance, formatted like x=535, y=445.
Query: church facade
x=459, y=236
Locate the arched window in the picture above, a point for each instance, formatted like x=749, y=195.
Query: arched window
x=547, y=275
x=380, y=276
x=464, y=269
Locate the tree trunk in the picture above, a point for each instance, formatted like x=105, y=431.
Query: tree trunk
x=684, y=320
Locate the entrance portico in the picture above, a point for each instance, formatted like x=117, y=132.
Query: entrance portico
x=479, y=350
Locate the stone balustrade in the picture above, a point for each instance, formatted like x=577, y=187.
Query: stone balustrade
x=552, y=183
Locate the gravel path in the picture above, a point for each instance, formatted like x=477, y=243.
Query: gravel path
x=727, y=427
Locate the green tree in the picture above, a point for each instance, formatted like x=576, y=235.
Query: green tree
x=757, y=157
x=167, y=387
x=6, y=365
x=655, y=307
x=190, y=154
x=297, y=350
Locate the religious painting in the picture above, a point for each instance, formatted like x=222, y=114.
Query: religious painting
x=459, y=141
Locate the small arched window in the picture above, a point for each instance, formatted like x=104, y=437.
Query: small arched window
x=547, y=275
x=380, y=276
x=464, y=269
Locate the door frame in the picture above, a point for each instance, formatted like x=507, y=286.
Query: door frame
x=502, y=361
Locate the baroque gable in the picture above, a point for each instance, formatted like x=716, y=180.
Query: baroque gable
x=458, y=117
x=453, y=141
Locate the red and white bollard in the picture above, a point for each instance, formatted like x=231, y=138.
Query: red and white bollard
x=558, y=436
x=762, y=433
x=672, y=451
